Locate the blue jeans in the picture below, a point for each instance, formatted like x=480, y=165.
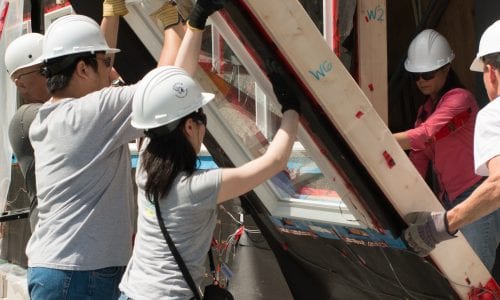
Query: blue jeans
x=482, y=235
x=46, y=283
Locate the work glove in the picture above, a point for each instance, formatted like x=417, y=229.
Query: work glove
x=201, y=11
x=426, y=229
x=287, y=99
x=167, y=15
x=114, y=8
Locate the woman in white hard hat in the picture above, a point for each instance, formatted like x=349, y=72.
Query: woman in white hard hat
x=168, y=107
x=426, y=229
x=444, y=128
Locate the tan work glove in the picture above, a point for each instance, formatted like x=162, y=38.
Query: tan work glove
x=114, y=8
x=167, y=15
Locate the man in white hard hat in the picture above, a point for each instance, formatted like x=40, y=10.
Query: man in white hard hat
x=23, y=62
x=83, y=239
x=429, y=228
x=22, y=59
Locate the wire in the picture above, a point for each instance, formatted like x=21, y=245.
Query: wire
x=396, y=275
x=390, y=281
x=358, y=287
x=229, y=214
x=496, y=297
x=19, y=192
x=484, y=290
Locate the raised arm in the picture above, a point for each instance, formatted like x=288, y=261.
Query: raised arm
x=237, y=181
x=171, y=17
x=189, y=51
x=111, y=12
x=187, y=58
x=172, y=41
x=109, y=27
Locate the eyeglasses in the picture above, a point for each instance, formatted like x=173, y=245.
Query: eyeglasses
x=39, y=70
x=106, y=60
x=425, y=76
x=200, y=117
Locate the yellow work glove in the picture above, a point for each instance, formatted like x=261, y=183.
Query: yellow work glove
x=114, y=8
x=167, y=15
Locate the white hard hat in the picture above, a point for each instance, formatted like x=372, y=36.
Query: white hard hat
x=489, y=43
x=428, y=51
x=23, y=52
x=166, y=94
x=73, y=34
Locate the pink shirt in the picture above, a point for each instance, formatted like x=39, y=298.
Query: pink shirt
x=446, y=137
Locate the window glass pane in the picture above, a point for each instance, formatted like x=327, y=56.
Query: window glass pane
x=242, y=108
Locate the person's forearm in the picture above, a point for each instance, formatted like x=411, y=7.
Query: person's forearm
x=483, y=201
x=172, y=41
x=109, y=27
x=281, y=146
x=189, y=51
x=403, y=139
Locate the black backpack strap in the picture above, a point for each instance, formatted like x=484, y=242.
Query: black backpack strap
x=212, y=264
x=176, y=254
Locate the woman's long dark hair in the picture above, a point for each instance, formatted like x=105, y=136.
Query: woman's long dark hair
x=452, y=82
x=164, y=158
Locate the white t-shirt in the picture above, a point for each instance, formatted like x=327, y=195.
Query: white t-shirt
x=189, y=212
x=487, y=136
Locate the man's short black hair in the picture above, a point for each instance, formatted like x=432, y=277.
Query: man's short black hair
x=60, y=70
x=492, y=59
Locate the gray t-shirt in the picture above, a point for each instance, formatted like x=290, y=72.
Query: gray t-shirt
x=19, y=140
x=190, y=215
x=84, y=182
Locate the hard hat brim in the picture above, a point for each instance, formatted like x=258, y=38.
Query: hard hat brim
x=105, y=50
x=113, y=50
x=206, y=97
x=37, y=61
x=477, y=65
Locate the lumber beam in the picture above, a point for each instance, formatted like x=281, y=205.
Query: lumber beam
x=332, y=87
x=372, y=53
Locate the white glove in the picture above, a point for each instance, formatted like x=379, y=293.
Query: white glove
x=426, y=229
